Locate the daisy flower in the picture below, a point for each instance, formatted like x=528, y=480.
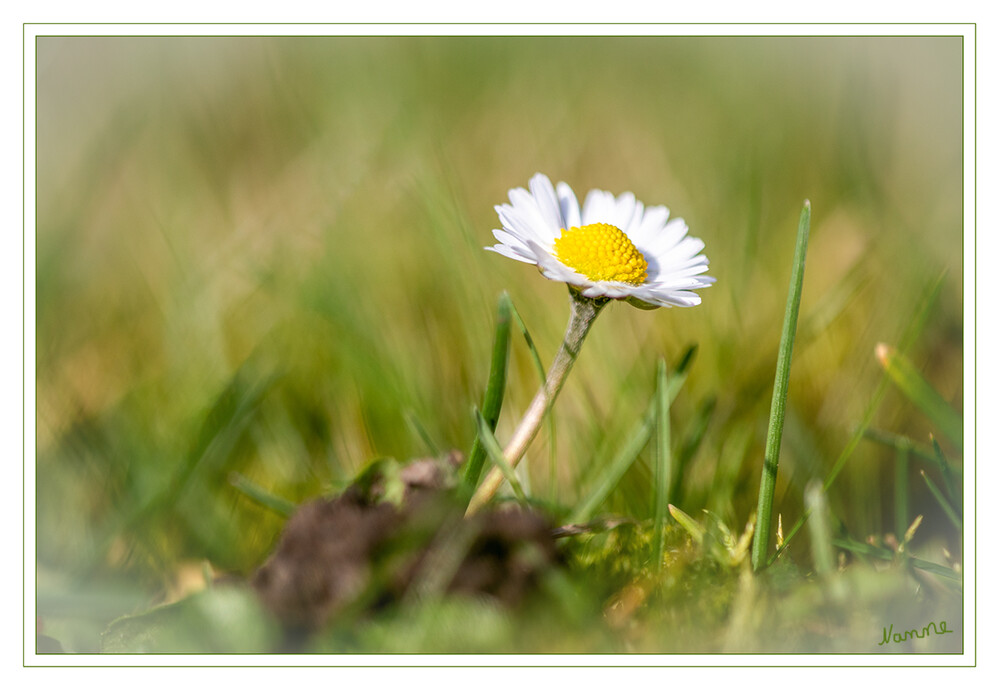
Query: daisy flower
x=612, y=247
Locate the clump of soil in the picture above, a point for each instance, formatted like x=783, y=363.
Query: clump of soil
x=398, y=533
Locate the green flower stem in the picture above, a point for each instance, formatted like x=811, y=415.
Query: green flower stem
x=581, y=316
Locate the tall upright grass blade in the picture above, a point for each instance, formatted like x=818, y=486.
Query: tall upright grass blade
x=662, y=470
x=942, y=500
x=915, y=327
x=768, y=479
x=492, y=401
x=637, y=439
x=921, y=393
x=495, y=454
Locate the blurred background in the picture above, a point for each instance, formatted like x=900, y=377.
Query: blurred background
x=264, y=256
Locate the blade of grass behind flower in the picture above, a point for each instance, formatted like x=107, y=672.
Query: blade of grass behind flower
x=908, y=379
x=260, y=495
x=768, y=479
x=542, y=376
x=726, y=476
x=691, y=442
x=822, y=551
x=492, y=400
x=910, y=335
x=942, y=500
x=420, y=430
x=495, y=454
x=695, y=530
x=916, y=450
x=945, y=469
x=901, y=490
x=663, y=468
x=637, y=439
x=880, y=552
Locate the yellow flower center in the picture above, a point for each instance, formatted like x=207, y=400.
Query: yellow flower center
x=601, y=252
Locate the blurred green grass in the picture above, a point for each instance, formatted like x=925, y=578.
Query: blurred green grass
x=261, y=254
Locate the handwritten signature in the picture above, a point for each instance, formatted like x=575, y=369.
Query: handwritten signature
x=889, y=634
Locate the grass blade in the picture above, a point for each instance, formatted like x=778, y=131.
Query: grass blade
x=542, y=376
x=688, y=446
x=638, y=437
x=921, y=393
x=768, y=480
x=695, y=531
x=662, y=470
x=495, y=454
x=872, y=551
x=637, y=440
x=901, y=489
x=942, y=500
x=822, y=550
x=945, y=469
x=492, y=401
x=260, y=495
x=915, y=327
x=417, y=427
x=917, y=450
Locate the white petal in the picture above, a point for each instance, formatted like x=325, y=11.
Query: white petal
x=525, y=206
x=570, y=207
x=510, y=239
x=511, y=253
x=685, y=250
x=665, y=240
x=624, y=210
x=554, y=269
x=636, y=220
x=661, y=275
x=518, y=223
x=548, y=204
x=668, y=298
x=598, y=207
x=609, y=289
x=651, y=225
